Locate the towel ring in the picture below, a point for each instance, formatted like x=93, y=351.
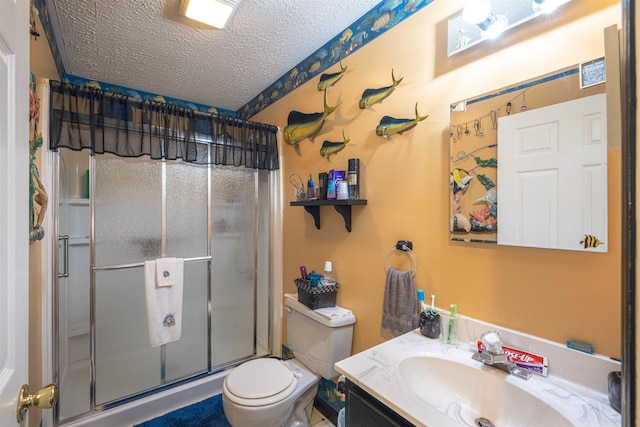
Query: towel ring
x=406, y=250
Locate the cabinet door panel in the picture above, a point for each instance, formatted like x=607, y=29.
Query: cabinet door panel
x=363, y=410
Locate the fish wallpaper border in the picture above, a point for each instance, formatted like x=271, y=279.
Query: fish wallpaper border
x=45, y=20
x=140, y=94
x=381, y=18
x=386, y=15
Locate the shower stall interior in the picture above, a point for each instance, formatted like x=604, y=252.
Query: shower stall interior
x=113, y=213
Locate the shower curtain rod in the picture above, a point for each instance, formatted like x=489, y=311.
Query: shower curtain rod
x=141, y=264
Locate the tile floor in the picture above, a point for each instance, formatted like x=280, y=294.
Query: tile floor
x=318, y=420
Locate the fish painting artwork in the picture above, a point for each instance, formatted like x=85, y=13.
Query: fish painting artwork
x=459, y=223
x=486, y=181
x=306, y=125
x=490, y=197
x=590, y=241
x=484, y=220
x=390, y=125
x=459, y=180
x=329, y=147
x=328, y=80
x=373, y=96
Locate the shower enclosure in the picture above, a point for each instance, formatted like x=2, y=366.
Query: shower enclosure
x=114, y=213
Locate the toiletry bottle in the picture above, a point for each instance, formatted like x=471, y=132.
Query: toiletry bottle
x=329, y=277
x=421, y=305
x=311, y=189
x=452, y=324
x=331, y=190
x=322, y=186
x=353, y=177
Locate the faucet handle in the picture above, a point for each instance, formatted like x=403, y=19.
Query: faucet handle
x=492, y=342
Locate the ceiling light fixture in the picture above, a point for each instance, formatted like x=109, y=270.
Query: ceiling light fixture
x=211, y=12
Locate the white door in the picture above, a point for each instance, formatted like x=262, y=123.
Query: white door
x=552, y=175
x=14, y=204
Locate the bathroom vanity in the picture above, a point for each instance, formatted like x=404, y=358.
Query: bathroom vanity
x=364, y=410
x=415, y=380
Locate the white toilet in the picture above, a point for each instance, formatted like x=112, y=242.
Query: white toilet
x=274, y=393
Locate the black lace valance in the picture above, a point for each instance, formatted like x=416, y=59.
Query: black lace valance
x=83, y=117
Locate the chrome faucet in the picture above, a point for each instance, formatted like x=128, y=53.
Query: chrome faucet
x=494, y=355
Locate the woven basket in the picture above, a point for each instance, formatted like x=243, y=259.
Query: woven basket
x=318, y=297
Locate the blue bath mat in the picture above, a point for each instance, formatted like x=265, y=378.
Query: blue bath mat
x=207, y=413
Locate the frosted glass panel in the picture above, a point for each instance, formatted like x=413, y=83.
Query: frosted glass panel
x=233, y=250
x=188, y=356
x=128, y=210
x=125, y=363
x=187, y=195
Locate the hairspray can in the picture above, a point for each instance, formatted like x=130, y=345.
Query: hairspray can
x=353, y=177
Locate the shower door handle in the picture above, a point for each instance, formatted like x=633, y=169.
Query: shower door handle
x=65, y=250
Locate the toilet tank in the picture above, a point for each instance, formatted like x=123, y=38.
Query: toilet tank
x=316, y=341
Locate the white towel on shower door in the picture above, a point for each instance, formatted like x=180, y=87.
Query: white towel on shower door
x=164, y=300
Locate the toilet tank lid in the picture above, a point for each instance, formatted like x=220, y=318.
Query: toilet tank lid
x=291, y=300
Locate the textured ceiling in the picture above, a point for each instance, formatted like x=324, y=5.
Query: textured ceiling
x=146, y=45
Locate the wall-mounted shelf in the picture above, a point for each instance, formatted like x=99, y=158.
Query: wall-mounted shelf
x=342, y=206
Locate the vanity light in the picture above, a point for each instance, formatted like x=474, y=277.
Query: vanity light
x=484, y=19
x=545, y=6
x=210, y=12
x=478, y=12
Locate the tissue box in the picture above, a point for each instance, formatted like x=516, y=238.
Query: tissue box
x=318, y=297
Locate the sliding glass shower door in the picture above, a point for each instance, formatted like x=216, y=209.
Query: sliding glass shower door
x=145, y=209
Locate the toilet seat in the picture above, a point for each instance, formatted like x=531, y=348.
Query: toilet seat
x=260, y=382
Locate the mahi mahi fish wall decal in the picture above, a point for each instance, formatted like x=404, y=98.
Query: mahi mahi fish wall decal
x=390, y=125
x=303, y=125
x=373, y=96
x=329, y=147
x=328, y=80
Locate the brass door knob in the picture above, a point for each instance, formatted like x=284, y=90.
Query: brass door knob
x=45, y=398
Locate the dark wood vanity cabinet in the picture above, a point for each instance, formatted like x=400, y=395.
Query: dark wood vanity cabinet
x=364, y=410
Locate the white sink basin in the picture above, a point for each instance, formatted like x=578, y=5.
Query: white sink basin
x=465, y=392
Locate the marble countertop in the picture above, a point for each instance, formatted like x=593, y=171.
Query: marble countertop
x=377, y=371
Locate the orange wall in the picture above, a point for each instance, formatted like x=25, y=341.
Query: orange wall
x=554, y=294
